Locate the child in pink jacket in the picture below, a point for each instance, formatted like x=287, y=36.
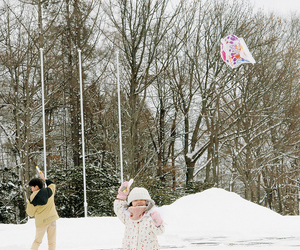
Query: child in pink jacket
x=142, y=221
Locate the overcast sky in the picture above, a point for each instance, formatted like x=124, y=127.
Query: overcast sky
x=279, y=6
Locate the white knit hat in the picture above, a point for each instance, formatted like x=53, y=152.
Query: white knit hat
x=139, y=193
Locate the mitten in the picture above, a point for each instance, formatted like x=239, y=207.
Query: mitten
x=123, y=191
x=156, y=218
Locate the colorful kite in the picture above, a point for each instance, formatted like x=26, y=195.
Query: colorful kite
x=234, y=51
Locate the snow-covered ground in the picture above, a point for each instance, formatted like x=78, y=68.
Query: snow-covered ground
x=213, y=219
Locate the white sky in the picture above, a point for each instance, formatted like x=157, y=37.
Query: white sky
x=284, y=7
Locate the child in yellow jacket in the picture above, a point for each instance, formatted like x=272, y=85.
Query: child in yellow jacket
x=41, y=206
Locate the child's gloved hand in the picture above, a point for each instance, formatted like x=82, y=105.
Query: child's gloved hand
x=123, y=191
x=156, y=218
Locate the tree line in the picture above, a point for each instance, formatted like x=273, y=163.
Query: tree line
x=189, y=122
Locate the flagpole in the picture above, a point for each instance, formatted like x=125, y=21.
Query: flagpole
x=119, y=111
x=82, y=134
x=43, y=108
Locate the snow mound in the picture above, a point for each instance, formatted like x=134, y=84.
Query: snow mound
x=216, y=210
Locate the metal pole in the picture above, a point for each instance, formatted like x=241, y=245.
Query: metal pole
x=43, y=108
x=119, y=111
x=82, y=134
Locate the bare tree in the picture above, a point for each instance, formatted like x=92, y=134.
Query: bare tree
x=19, y=82
x=141, y=27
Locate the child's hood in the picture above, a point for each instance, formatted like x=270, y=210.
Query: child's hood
x=40, y=197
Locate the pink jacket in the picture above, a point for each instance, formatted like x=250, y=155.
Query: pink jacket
x=139, y=234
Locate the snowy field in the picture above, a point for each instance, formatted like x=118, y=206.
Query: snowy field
x=213, y=219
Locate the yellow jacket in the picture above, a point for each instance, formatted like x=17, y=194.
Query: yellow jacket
x=41, y=205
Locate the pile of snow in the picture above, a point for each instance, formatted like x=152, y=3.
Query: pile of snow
x=213, y=218
x=217, y=211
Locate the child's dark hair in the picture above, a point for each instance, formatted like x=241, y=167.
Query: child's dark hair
x=36, y=182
